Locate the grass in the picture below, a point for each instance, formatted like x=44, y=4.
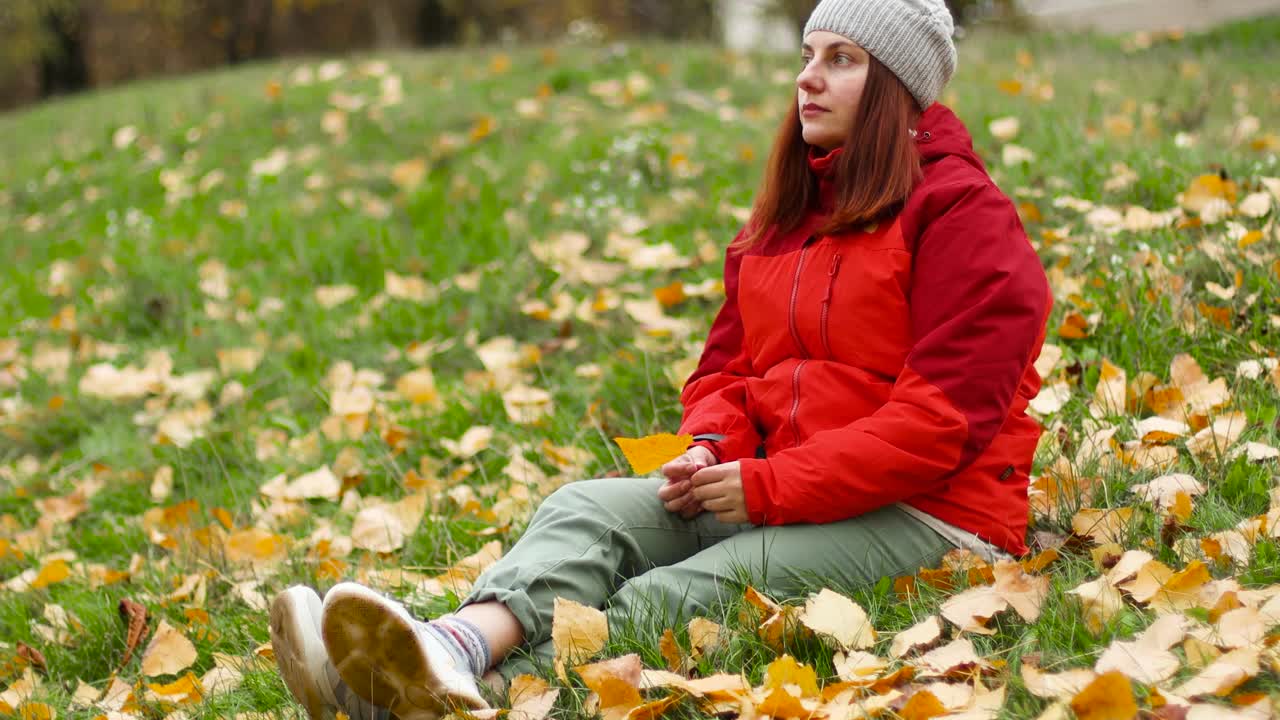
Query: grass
x=100, y=263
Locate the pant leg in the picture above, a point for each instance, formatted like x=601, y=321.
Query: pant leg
x=585, y=539
x=782, y=561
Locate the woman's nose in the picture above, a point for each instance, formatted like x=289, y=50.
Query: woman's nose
x=808, y=79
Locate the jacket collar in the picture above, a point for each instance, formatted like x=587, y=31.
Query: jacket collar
x=820, y=164
x=939, y=134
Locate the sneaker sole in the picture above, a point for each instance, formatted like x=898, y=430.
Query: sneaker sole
x=294, y=640
x=377, y=652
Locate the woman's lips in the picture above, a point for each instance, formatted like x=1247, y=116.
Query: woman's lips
x=812, y=109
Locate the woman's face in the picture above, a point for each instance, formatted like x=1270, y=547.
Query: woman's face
x=830, y=87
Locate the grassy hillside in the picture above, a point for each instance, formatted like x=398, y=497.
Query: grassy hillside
x=213, y=281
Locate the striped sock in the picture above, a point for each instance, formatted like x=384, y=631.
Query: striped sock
x=463, y=641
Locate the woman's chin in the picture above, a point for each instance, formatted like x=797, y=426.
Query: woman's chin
x=819, y=139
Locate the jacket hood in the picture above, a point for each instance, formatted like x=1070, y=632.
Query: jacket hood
x=940, y=134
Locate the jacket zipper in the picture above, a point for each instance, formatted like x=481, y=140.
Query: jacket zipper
x=795, y=335
x=795, y=401
x=826, y=304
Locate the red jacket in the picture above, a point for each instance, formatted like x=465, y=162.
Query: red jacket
x=853, y=371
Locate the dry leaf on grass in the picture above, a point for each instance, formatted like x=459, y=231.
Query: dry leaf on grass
x=1214, y=440
x=577, y=632
x=1109, y=697
x=1163, y=491
x=670, y=650
x=168, y=653
x=1146, y=658
x=859, y=667
x=19, y=691
x=1054, y=686
x=922, y=705
x=1222, y=675
x=257, y=548
x=921, y=636
x=955, y=658
x=1024, y=592
x=704, y=636
x=831, y=614
x=385, y=527
x=1103, y=525
x=972, y=609
x=135, y=617
x=527, y=405
x=186, y=689
x=530, y=698
x=616, y=682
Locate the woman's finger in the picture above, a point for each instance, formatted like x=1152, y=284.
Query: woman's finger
x=732, y=517
x=706, y=492
x=684, y=501
x=680, y=468
x=673, y=490
x=716, y=504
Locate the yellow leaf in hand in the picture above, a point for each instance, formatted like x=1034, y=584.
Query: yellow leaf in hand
x=647, y=454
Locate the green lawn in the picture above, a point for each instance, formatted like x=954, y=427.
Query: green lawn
x=165, y=224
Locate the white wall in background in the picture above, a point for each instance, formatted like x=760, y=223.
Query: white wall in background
x=1122, y=16
x=747, y=28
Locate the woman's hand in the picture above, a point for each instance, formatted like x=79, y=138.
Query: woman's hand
x=719, y=489
x=675, y=495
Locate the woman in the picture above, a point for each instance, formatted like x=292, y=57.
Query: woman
x=858, y=409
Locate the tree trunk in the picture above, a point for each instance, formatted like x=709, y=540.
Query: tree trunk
x=383, y=20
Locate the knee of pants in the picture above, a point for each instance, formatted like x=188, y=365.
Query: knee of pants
x=657, y=599
x=611, y=495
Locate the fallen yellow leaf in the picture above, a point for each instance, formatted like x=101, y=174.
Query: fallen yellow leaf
x=786, y=671
x=530, y=698
x=577, y=631
x=54, y=572
x=1110, y=697
x=617, y=682
x=168, y=653
x=834, y=615
x=922, y=705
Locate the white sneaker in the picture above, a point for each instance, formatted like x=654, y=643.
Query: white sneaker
x=304, y=663
x=390, y=658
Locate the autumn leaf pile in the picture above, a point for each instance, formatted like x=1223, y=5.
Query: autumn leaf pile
x=319, y=320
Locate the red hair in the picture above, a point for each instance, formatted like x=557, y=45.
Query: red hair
x=873, y=176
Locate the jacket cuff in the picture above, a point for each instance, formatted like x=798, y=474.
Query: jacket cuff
x=756, y=476
x=727, y=447
x=711, y=445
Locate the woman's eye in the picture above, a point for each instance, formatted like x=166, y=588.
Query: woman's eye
x=843, y=59
x=804, y=61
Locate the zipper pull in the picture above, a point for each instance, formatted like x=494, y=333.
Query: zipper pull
x=831, y=275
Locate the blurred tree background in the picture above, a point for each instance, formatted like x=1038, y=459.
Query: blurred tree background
x=964, y=11
x=55, y=46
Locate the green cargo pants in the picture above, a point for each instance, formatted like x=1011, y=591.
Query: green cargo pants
x=610, y=544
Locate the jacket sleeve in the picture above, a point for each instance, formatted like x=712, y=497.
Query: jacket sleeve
x=715, y=396
x=979, y=300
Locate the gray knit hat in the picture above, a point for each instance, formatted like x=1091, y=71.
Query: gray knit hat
x=910, y=37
